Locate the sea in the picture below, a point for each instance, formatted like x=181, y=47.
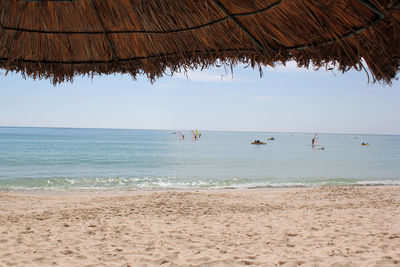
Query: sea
x=103, y=159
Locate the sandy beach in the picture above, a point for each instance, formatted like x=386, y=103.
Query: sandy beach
x=326, y=226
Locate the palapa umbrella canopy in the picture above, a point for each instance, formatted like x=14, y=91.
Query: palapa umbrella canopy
x=59, y=39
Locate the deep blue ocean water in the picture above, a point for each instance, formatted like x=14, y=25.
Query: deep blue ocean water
x=63, y=158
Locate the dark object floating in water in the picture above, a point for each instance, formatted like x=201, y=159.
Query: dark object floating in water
x=364, y=144
x=174, y=133
x=322, y=148
x=258, y=142
x=271, y=138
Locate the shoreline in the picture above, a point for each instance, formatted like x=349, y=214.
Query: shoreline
x=321, y=226
x=136, y=191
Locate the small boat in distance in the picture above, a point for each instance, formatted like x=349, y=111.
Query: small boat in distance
x=364, y=144
x=258, y=142
x=271, y=138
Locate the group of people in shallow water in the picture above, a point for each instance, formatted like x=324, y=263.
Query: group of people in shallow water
x=257, y=142
x=196, y=135
x=313, y=142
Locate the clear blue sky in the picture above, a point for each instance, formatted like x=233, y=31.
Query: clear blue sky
x=283, y=100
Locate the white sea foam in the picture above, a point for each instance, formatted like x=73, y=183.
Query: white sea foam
x=61, y=159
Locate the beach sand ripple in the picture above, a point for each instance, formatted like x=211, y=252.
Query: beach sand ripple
x=327, y=226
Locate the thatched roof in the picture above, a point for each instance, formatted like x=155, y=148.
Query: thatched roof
x=59, y=39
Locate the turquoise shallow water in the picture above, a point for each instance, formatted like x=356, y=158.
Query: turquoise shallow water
x=61, y=158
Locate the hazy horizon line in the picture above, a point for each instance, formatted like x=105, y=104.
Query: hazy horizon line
x=204, y=130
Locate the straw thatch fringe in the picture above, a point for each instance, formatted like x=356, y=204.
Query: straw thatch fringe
x=61, y=39
x=104, y=31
